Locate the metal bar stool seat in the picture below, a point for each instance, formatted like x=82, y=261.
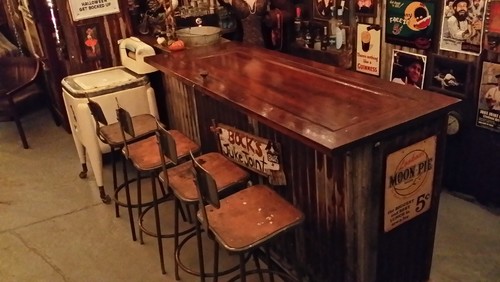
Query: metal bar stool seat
x=245, y=220
x=145, y=156
x=180, y=180
x=110, y=133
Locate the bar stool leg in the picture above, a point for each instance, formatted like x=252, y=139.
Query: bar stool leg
x=139, y=205
x=200, y=251
x=115, y=184
x=269, y=262
x=157, y=220
x=129, y=208
x=257, y=264
x=216, y=261
x=243, y=277
x=176, y=236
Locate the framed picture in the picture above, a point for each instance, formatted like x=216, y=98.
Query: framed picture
x=462, y=26
x=323, y=9
x=488, y=104
x=366, y=8
x=492, y=26
x=410, y=23
x=408, y=68
x=449, y=76
x=368, y=40
x=90, y=41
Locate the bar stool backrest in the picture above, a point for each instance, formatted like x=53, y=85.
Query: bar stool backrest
x=207, y=189
x=126, y=126
x=99, y=118
x=167, y=146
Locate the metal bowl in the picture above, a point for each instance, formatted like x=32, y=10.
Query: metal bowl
x=199, y=35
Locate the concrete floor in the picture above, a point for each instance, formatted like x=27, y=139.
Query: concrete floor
x=54, y=227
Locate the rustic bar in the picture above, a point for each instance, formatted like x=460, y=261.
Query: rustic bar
x=362, y=156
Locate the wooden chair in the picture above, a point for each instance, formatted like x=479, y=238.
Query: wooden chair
x=243, y=221
x=180, y=180
x=146, y=158
x=22, y=83
x=110, y=134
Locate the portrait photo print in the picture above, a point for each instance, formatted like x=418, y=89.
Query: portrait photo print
x=408, y=68
x=462, y=26
x=449, y=76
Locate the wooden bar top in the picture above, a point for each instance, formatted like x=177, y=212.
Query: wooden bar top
x=322, y=106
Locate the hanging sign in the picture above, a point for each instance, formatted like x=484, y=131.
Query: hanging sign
x=86, y=9
x=256, y=153
x=368, y=49
x=408, y=182
x=410, y=23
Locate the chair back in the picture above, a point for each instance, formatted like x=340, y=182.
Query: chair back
x=166, y=144
x=97, y=113
x=126, y=126
x=207, y=189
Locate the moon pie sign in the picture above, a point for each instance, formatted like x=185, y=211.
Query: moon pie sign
x=408, y=182
x=256, y=153
x=410, y=23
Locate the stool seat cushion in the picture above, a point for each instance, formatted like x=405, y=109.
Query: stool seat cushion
x=145, y=154
x=250, y=217
x=225, y=172
x=143, y=124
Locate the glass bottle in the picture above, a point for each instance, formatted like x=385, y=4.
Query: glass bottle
x=339, y=30
x=324, y=39
x=332, y=24
x=297, y=23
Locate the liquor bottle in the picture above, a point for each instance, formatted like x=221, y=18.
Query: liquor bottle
x=308, y=40
x=317, y=39
x=324, y=39
x=332, y=24
x=297, y=23
x=339, y=30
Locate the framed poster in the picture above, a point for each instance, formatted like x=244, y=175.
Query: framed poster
x=366, y=8
x=410, y=23
x=449, y=76
x=408, y=68
x=492, y=26
x=488, y=105
x=86, y=9
x=90, y=41
x=462, y=26
x=368, y=48
x=323, y=9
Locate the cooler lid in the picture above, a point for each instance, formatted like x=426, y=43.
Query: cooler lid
x=102, y=82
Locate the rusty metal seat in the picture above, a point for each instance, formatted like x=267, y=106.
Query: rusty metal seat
x=180, y=180
x=110, y=134
x=146, y=157
x=244, y=221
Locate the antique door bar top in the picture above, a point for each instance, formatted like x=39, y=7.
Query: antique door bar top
x=319, y=105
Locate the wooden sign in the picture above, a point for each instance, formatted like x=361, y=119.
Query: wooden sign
x=256, y=153
x=86, y=9
x=408, y=182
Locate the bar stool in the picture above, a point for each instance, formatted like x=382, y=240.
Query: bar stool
x=111, y=135
x=243, y=221
x=180, y=180
x=146, y=158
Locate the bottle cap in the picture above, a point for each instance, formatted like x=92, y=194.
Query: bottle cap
x=298, y=12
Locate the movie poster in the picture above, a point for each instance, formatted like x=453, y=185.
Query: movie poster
x=488, y=106
x=410, y=23
x=368, y=49
x=462, y=25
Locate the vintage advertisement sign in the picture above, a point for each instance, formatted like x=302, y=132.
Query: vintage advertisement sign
x=410, y=23
x=408, y=182
x=462, y=25
x=368, y=49
x=488, y=106
x=86, y=9
x=256, y=153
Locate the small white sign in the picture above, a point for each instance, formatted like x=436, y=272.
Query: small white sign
x=408, y=182
x=86, y=9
